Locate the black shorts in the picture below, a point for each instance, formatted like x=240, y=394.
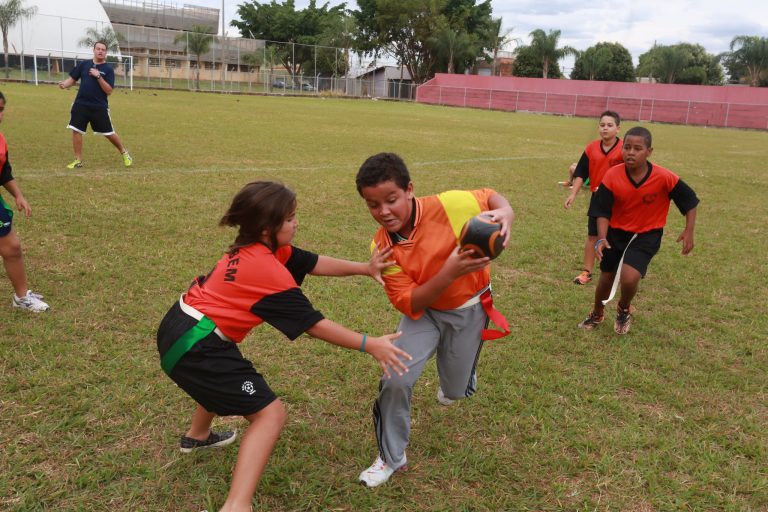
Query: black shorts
x=591, y=226
x=80, y=116
x=639, y=254
x=214, y=372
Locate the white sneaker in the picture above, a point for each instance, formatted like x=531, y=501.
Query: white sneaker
x=442, y=398
x=378, y=473
x=30, y=301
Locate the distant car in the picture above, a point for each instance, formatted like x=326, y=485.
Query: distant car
x=306, y=86
x=281, y=84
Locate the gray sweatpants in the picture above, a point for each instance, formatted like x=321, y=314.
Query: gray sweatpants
x=454, y=336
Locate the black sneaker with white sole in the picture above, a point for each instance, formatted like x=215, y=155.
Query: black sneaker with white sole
x=215, y=440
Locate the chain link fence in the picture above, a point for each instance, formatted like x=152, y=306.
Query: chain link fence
x=46, y=47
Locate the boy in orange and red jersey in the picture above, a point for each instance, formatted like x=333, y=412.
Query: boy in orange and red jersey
x=631, y=208
x=599, y=156
x=443, y=294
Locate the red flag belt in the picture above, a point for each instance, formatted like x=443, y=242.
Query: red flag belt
x=495, y=316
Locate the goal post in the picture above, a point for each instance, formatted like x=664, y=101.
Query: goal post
x=53, y=65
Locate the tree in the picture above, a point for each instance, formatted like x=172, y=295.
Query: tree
x=499, y=38
x=402, y=28
x=197, y=42
x=452, y=46
x=663, y=63
x=94, y=35
x=529, y=65
x=544, y=47
x=682, y=63
x=417, y=33
x=337, y=40
x=282, y=22
x=606, y=62
x=11, y=11
x=748, y=57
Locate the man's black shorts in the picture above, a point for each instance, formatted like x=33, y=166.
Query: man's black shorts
x=639, y=254
x=214, y=372
x=80, y=116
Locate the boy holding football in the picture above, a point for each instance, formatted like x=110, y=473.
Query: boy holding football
x=631, y=208
x=443, y=294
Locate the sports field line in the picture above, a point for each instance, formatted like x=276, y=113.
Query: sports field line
x=140, y=171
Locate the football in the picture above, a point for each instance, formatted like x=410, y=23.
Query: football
x=483, y=236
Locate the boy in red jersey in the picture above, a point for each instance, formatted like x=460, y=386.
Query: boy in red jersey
x=631, y=208
x=443, y=294
x=599, y=156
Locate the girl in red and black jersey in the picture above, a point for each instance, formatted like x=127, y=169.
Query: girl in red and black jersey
x=256, y=281
x=10, y=246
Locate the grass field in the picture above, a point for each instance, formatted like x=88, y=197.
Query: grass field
x=672, y=416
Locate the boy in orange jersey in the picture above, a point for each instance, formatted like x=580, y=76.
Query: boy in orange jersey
x=598, y=157
x=443, y=294
x=631, y=208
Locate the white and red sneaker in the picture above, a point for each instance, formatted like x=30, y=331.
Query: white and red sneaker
x=378, y=473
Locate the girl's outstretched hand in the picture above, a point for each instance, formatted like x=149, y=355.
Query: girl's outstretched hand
x=380, y=259
x=387, y=354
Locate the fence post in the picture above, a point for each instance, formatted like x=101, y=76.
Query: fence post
x=490, y=99
x=575, y=104
x=653, y=103
x=688, y=112
x=465, y=96
x=727, y=111
x=546, y=97
x=517, y=100
x=439, y=94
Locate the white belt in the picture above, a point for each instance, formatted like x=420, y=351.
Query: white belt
x=475, y=299
x=197, y=315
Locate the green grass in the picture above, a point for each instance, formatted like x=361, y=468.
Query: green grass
x=670, y=417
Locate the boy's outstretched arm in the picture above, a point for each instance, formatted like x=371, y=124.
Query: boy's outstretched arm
x=327, y=266
x=388, y=355
x=602, y=233
x=577, y=183
x=687, y=235
x=501, y=212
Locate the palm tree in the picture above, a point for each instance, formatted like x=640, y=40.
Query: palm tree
x=107, y=35
x=751, y=55
x=12, y=11
x=498, y=40
x=197, y=42
x=452, y=46
x=544, y=47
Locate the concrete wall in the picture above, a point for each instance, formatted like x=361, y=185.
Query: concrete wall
x=730, y=106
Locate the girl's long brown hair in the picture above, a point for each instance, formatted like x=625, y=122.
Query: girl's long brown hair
x=259, y=208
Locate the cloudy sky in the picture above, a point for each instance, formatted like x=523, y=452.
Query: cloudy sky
x=635, y=24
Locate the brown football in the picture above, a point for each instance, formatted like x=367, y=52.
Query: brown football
x=483, y=236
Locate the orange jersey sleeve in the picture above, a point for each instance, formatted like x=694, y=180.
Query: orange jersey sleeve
x=437, y=225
